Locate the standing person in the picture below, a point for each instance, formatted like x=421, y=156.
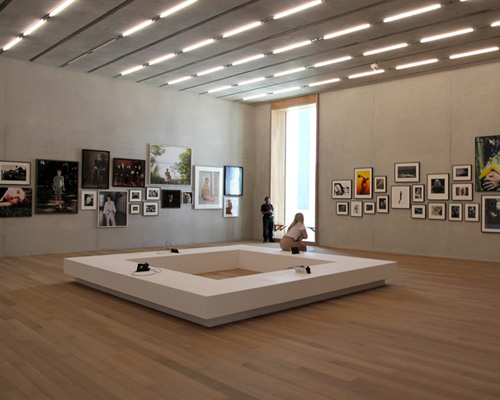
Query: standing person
x=109, y=212
x=58, y=187
x=267, y=210
x=295, y=234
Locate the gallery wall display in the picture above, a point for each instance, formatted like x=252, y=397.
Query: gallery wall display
x=56, y=187
x=15, y=201
x=471, y=212
x=135, y=209
x=342, y=208
x=135, y=195
x=208, y=187
x=187, y=198
x=233, y=181
x=153, y=193
x=417, y=193
x=363, y=183
x=170, y=198
x=490, y=221
x=488, y=164
x=437, y=211
x=461, y=191
x=128, y=172
x=95, y=169
x=400, y=195
x=383, y=204
x=88, y=199
x=356, y=209
x=150, y=208
x=418, y=211
x=407, y=172
x=15, y=173
x=462, y=172
x=113, y=207
x=380, y=185
x=369, y=207
x=169, y=165
x=231, y=206
x=455, y=211
x=341, y=189
x=437, y=186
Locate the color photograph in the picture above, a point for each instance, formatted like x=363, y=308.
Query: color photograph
x=113, y=207
x=15, y=202
x=128, y=172
x=208, y=188
x=169, y=165
x=95, y=169
x=231, y=207
x=364, y=183
x=488, y=164
x=15, y=173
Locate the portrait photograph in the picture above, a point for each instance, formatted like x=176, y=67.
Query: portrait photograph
x=363, y=183
x=437, y=187
x=88, y=199
x=233, y=181
x=113, y=207
x=454, y=212
x=187, y=198
x=231, y=207
x=490, y=209
x=407, y=172
x=418, y=211
x=462, y=172
x=342, y=208
x=208, y=187
x=471, y=212
x=400, y=195
x=488, y=164
x=170, y=198
x=417, y=193
x=383, y=204
x=341, y=189
x=380, y=185
x=128, y=172
x=169, y=165
x=95, y=169
x=437, y=211
x=15, y=201
x=15, y=173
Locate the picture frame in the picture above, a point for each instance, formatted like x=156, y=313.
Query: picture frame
x=95, y=169
x=153, y=193
x=16, y=202
x=112, y=209
x=438, y=187
x=490, y=214
x=369, y=207
x=208, y=187
x=150, y=208
x=407, y=172
x=486, y=163
x=88, y=199
x=454, y=211
x=462, y=172
x=187, y=198
x=418, y=211
x=471, y=212
x=128, y=172
x=15, y=173
x=231, y=207
x=383, y=204
x=418, y=193
x=169, y=165
x=341, y=189
x=233, y=181
x=461, y=191
x=170, y=198
x=380, y=184
x=363, y=183
x=135, y=195
x=356, y=208
x=135, y=209
x=437, y=211
x=342, y=208
x=400, y=195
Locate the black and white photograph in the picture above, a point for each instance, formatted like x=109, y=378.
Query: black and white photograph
x=383, y=204
x=135, y=209
x=400, y=195
x=150, y=208
x=95, y=169
x=461, y=191
x=417, y=193
x=15, y=201
x=356, y=209
x=437, y=211
x=490, y=214
x=455, y=212
x=462, y=172
x=342, y=189
x=438, y=187
x=135, y=195
x=369, y=207
x=113, y=209
x=153, y=193
x=418, y=211
x=380, y=184
x=471, y=212
x=88, y=199
x=407, y=172
x=15, y=173
x=342, y=208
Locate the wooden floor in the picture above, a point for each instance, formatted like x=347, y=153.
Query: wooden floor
x=432, y=333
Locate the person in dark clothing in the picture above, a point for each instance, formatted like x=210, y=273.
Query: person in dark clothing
x=267, y=220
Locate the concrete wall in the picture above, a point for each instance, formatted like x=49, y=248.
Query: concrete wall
x=50, y=113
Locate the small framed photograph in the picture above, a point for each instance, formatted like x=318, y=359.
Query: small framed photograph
x=417, y=193
x=231, y=207
x=16, y=201
x=342, y=208
x=153, y=193
x=490, y=214
x=88, y=199
x=341, y=189
x=233, y=181
x=113, y=209
x=400, y=195
x=187, y=198
x=407, y=172
x=462, y=172
x=150, y=208
x=437, y=187
x=455, y=212
x=95, y=169
x=15, y=173
x=356, y=209
x=135, y=209
x=383, y=204
x=128, y=172
x=461, y=191
x=135, y=195
x=418, y=211
x=364, y=183
x=471, y=212
x=369, y=207
x=380, y=185
x=170, y=198
x=437, y=211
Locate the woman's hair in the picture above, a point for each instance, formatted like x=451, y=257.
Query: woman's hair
x=299, y=218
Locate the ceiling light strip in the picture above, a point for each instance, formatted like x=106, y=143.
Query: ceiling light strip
x=324, y=82
x=346, y=31
x=495, y=24
x=362, y=74
x=417, y=64
x=447, y=35
x=176, y=8
x=288, y=72
x=242, y=29
x=383, y=49
x=297, y=9
x=473, y=53
x=412, y=13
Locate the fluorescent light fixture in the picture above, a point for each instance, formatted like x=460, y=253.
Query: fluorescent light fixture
x=176, y=8
x=137, y=27
x=473, y=53
x=418, y=63
x=242, y=29
x=12, y=43
x=198, y=45
x=184, y=78
x=290, y=71
x=255, y=96
x=133, y=69
x=494, y=24
x=446, y=35
x=245, y=60
x=287, y=90
x=324, y=82
x=381, y=50
x=220, y=88
x=60, y=7
x=411, y=13
x=378, y=71
x=297, y=9
x=292, y=46
x=34, y=27
x=161, y=59
x=334, y=61
x=209, y=71
x=346, y=31
x=251, y=81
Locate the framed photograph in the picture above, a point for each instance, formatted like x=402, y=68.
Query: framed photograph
x=15, y=201
x=342, y=208
x=437, y=187
x=437, y=211
x=233, y=181
x=462, y=172
x=170, y=198
x=113, y=207
x=356, y=209
x=56, y=187
x=153, y=193
x=135, y=195
x=383, y=204
x=364, y=183
x=488, y=164
x=417, y=193
x=341, y=189
x=380, y=185
x=135, y=209
x=88, y=199
x=169, y=165
x=455, y=212
x=369, y=207
x=187, y=198
x=471, y=212
x=150, y=208
x=400, y=195
x=231, y=207
x=15, y=173
x=208, y=187
x=95, y=169
x=128, y=172
x=490, y=214
x=461, y=191
x=407, y=172
x=418, y=211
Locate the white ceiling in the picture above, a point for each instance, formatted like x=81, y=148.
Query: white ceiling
x=86, y=37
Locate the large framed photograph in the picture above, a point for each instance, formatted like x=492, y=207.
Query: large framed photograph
x=462, y=172
x=437, y=211
x=418, y=211
x=455, y=212
x=56, y=187
x=231, y=207
x=400, y=195
x=342, y=208
x=170, y=198
x=488, y=164
x=15, y=201
x=150, y=208
x=380, y=185
x=95, y=169
x=364, y=183
x=461, y=191
x=356, y=209
x=208, y=187
x=233, y=181
x=417, y=193
x=407, y=172
x=113, y=207
x=383, y=204
x=437, y=186
x=341, y=189
x=88, y=199
x=490, y=214
x=169, y=165
x=128, y=172
x=15, y=173
x=471, y=212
